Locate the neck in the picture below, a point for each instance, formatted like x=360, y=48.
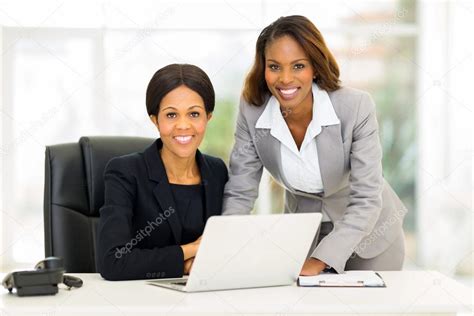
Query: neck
x=180, y=170
x=302, y=113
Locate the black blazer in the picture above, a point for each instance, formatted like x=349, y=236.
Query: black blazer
x=139, y=230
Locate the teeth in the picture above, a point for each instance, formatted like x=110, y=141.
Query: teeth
x=288, y=91
x=183, y=139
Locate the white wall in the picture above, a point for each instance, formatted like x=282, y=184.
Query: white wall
x=445, y=122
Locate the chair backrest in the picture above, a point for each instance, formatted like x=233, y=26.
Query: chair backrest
x=74, y=193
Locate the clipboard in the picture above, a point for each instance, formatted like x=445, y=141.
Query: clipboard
x=354, y=278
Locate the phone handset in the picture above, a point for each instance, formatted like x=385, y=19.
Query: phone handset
x=43, y=280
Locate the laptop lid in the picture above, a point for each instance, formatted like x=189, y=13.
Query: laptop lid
x=244, y=251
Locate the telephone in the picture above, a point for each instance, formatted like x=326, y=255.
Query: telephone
x=43, y=280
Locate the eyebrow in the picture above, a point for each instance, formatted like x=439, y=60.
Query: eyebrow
x=173, y=108
x=294, y=61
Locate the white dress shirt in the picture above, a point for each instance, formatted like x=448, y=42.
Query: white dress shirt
x=300, y=167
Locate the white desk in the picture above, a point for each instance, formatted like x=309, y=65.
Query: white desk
x=407, y=292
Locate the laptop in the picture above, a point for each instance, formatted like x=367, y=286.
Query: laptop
x=249, y=251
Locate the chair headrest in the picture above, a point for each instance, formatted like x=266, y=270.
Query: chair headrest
x=97, y=151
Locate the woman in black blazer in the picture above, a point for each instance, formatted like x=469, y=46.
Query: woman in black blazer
x=157, y=201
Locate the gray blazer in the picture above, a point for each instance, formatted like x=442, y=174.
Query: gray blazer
x=366, y=212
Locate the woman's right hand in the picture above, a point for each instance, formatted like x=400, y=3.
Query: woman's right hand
x=188, y=265
x=190, y=250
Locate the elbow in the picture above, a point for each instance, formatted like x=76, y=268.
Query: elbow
x=109, y=268
x=107, y=275
x=110, y=275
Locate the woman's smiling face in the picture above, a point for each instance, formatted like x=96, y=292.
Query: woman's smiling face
x=288, y=72
x=181, y=121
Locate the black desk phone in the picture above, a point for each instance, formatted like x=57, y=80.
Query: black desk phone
x=43, y=280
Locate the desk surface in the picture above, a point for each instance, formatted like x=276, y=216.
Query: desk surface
x=407, y=292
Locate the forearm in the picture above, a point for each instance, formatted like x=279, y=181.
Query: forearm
x=119, y=258
x=165, y=262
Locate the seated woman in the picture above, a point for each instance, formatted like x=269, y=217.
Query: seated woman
x=157, y=201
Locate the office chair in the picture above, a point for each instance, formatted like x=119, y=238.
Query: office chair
x=74, y=193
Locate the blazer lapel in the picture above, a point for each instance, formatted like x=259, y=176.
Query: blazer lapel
x=162, y=190
x=268, y=148
x=331, y=157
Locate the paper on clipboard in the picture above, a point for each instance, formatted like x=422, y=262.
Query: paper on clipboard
x=347, y=279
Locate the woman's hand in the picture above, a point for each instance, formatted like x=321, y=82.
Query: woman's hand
x=190, y=250
x=312, y=266
x=188, y=265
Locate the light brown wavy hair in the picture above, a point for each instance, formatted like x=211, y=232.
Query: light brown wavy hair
x=311, y=40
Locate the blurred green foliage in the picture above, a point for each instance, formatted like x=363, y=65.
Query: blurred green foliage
x=220, y=130
x=394, y=97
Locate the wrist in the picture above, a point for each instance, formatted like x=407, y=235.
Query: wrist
x=326, y=267
x=321, y=263
x=188, y=251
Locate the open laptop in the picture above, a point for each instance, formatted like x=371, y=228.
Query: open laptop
x=246, y=251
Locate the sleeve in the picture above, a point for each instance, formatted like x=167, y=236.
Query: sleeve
x=366, y=184
x=118, y=258
x=245, y=172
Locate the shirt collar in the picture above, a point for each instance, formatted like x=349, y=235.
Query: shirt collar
x=323, y=111
x=323, y=115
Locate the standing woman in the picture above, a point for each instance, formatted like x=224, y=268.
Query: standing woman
x=319, y=141
x=158, y=201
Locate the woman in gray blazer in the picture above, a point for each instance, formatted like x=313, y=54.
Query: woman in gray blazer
x=320, y=141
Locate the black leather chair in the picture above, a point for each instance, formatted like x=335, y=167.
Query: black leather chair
x=74, y=193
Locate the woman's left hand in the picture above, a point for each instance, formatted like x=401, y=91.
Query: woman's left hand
x=312, y=266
